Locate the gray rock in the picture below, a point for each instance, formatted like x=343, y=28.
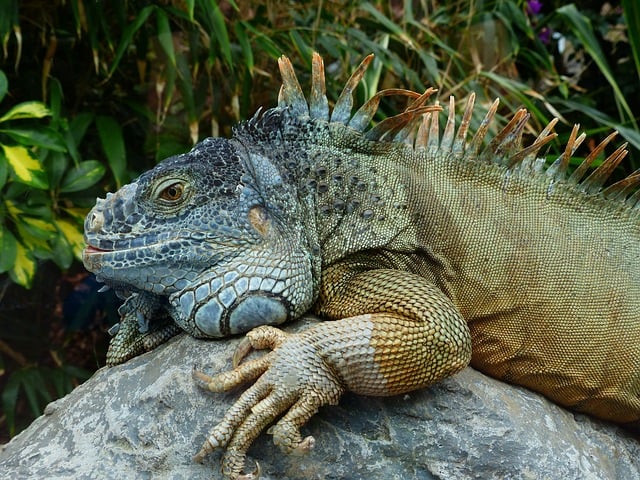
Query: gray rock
x=146, y=418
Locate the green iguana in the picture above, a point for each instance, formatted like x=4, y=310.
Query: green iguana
x=428, y=251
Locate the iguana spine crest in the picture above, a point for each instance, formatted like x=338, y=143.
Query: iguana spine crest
x=504, y=148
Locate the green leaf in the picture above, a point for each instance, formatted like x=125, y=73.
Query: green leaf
x=62, y=252
x=73, y=235
x=220, y=33
x=629, y=134
x=112, y=142
x=245, y=45
x=264, y=42
x=184, y=84
x=26, y=110
x=581, y=27
x=27, y=169
x=24, y=267
x=79, y=124
x=8, y=250
x=34, y=387
x=38, y=228
x=55, y=98
x=44, y=137
x=75, y=133
x=4, y=85
x=299, y=43
x=190, y=6
x=385, y=22
x=56, y=165
x=10, y=400
x=165, y=37
x=4, y=169
x=127, y=36
x=82, y=176
x=631, y=9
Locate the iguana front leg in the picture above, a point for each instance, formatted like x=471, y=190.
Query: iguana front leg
x=400, y=334
x=144, y=324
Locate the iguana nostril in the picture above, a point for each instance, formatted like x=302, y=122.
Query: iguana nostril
x=96, y=221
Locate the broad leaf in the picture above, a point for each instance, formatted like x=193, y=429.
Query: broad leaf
x=83, y=176
x=38, y=228
x=27, y=169
x=73, y=234
x=41, y=137
x=8, y=249
x=26, y=110
x=24, y=267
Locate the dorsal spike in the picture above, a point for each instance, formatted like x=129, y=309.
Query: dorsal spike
x=504, y=148
x=633, y=200
x=434, y=130
x=449, y=129
x=318, y=103
x=529, y=152
x=558, y=168
x=290, y=93
x=361, y=119
x=620, y=190
x=461, y=137
x=572, y=145
x=579, y=172
x=508, y=139
x=422, y=137
x=532, y=153
x=387, y=128
x=342, y=109
x=420, y=100
x=478, y=138
x=594, y=182
x=407, y=133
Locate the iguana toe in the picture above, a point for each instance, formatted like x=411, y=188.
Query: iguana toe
x=294, y=378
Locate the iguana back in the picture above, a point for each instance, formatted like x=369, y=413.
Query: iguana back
x=547, y=276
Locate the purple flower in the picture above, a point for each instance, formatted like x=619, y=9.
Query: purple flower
x=545, y=35
x=534, y=7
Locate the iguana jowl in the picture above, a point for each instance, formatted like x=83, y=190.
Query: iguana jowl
x=428, y=250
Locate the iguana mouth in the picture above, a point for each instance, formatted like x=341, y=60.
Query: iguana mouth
x=91, y=250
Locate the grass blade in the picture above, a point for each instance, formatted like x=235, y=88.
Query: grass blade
x=581, y=27
x=112, y=141
x=631, y=9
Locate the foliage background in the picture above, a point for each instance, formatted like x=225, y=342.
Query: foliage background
x=93, y=93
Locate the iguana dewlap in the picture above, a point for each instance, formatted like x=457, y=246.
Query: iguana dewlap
x=428, y=251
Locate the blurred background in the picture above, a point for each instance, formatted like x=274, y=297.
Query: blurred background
x=93, y=93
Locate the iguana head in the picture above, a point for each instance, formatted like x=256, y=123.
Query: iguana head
x=214, y=230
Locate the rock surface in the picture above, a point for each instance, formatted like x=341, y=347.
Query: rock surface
x=146, y=418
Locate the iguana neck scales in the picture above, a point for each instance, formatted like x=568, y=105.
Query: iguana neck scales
x=430, y=250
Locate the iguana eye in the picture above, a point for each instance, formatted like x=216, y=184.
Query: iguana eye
x=173, y=192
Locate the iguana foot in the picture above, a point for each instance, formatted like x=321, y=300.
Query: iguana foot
x=144, y=324
x=293, y=378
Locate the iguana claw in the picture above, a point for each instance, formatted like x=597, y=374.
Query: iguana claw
x=243, y=349
x=253, y=475
x=293, y=380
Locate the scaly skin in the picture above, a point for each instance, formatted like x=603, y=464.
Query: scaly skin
x=425, y=250
x=397, y=333
x=144, y=324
